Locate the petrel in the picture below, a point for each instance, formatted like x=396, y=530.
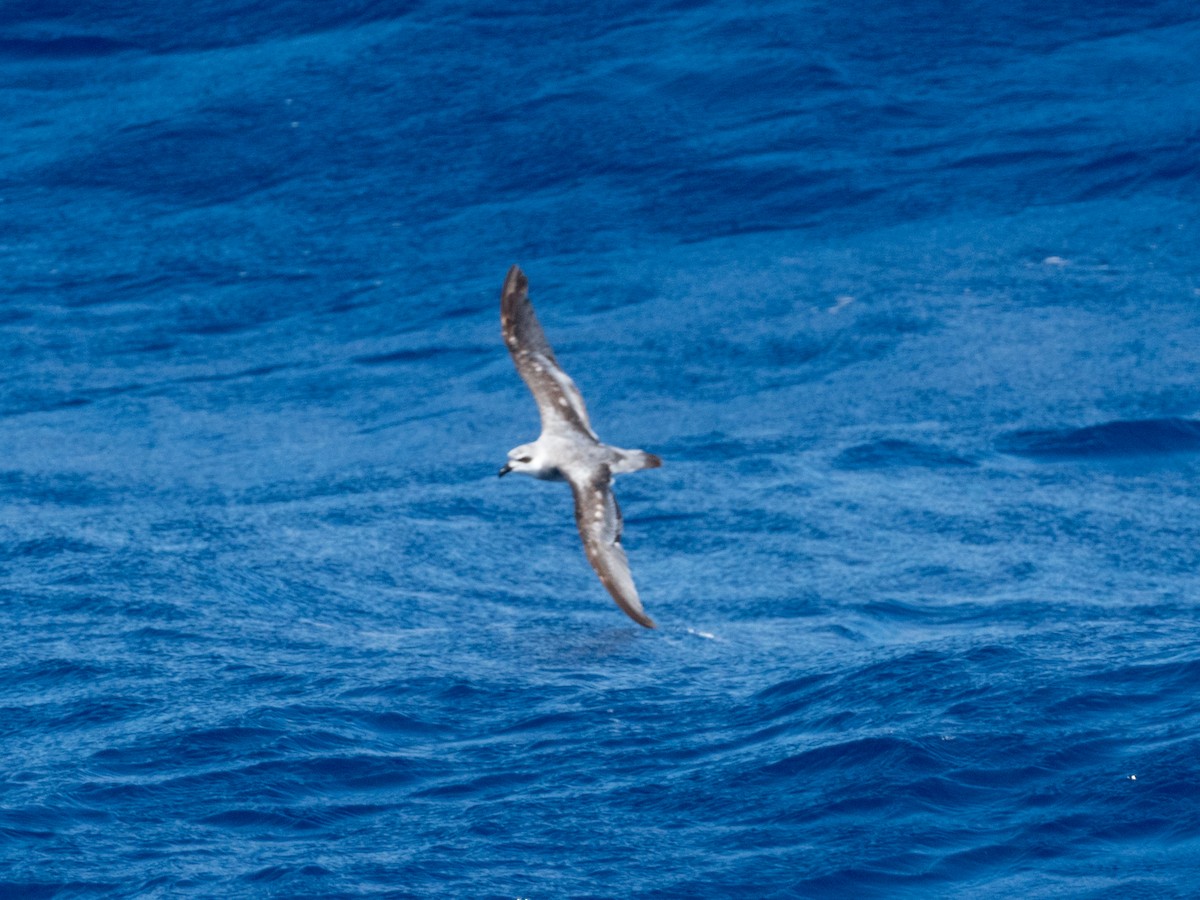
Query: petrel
x=568, y=450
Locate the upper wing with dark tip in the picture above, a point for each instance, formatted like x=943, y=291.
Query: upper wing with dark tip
x=599, y=521
x=558, y=399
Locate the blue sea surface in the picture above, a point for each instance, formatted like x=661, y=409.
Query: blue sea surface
x=907, y=297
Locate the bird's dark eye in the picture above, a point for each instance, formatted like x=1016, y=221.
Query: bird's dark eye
x=524, y=459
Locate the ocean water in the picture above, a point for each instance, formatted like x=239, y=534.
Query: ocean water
x=906, y=295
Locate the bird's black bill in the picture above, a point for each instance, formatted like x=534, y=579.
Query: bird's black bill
x=507, y=468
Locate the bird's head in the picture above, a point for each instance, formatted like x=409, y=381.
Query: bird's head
x=520, y=459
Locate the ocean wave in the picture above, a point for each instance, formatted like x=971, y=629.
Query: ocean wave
x=1119, y=438
x=888, y=453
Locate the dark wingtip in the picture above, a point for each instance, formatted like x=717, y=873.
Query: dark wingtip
x=653, y=461
x=640, y=617
x=515, y=280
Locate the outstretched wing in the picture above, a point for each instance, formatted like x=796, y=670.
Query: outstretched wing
x=558, y=399
x=599, y=521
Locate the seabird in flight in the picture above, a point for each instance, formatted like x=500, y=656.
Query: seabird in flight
x=568, y=450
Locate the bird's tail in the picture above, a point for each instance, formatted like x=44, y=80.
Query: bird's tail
x=634, y=460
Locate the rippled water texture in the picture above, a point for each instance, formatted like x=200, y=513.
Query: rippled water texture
x=906, y=295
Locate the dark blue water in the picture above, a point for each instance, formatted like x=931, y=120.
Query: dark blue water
x=907, y=296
